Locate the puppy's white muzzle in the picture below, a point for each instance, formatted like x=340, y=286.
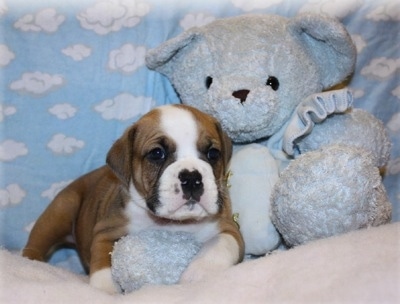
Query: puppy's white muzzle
x=187, y=189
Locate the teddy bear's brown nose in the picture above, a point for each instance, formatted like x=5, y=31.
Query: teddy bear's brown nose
x=241, y=94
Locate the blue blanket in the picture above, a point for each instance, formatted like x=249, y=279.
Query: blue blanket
x=73, y=78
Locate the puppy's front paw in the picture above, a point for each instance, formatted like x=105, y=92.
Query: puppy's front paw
x=103, y=280
x=200, y=270
x=217, y=255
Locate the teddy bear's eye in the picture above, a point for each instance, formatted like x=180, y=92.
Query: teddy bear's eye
x=209, y=81
x=273, y=82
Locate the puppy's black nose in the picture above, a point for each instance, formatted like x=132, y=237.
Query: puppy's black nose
x=192, y=184
x=241, y=94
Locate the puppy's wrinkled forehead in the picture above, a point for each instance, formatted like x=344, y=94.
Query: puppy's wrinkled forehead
x=181, y=129
x=181, y=126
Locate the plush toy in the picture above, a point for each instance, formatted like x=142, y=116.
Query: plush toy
x=151, y=257
x=306, y=164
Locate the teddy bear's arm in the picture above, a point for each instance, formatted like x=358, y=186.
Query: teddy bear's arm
x=314, y=109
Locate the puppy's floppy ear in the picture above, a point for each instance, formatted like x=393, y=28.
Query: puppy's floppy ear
x=119, y=157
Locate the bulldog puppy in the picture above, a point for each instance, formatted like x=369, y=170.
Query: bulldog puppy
x=167, y=171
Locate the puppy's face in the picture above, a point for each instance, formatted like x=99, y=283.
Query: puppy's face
x=173, y=161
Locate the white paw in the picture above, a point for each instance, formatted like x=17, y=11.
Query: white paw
x=217, y=255
x=201, y=269
x=103, y=280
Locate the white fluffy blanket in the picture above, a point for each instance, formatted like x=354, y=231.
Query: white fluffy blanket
x=358, y=267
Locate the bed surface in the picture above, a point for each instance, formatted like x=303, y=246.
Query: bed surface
x=359, y=267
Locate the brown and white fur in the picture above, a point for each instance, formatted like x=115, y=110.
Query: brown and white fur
x=167, y=171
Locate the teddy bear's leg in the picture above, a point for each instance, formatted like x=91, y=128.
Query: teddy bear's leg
x=326, y=192
x=254, y=174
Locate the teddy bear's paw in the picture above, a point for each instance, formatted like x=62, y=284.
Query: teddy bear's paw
x=326, y=192
x=152, y=257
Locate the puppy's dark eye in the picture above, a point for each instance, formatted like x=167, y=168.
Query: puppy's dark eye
x=209, y=81
x=157, y=154
x=213, y=154
x=273, y=82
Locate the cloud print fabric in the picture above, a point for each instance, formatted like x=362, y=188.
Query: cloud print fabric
x=73, y=77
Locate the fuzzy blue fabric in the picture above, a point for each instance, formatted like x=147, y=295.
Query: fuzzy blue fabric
x=152, y=257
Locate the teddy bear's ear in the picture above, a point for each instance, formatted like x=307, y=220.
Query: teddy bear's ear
x=158, y=58
x=329, y=43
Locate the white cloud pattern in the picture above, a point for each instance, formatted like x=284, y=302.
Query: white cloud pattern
x=3, y=7
x=249, y=5
x=64, y=145
x=192, y=20
x=394, y=123
x=394, y=166
x=359, y=42
x=381, y=68
x=47, y=20
x=13, y=194
x=54, y=189
x=63, y=111
x=334, y=8
x=112, y=15
x=11, y=149
x=77, y=52
x=6, y=111
x=385, y=11
x=396, y=92
x=127, y=59
x=29, y=227
x=37, y=83
x=6, y=55
x=357, y=93
x=124, y=107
